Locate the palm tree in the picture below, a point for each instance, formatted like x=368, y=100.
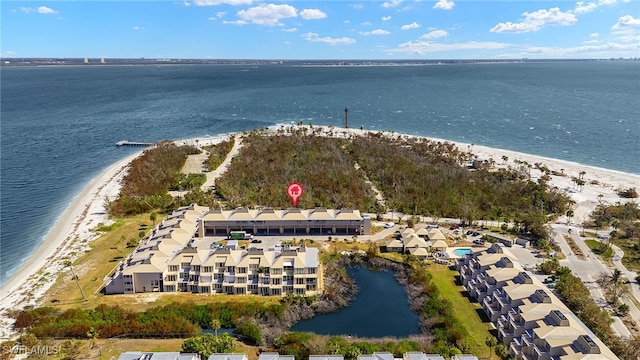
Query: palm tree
x=491, y=341
x=505, y=158
x=153, y=216
x=215, y=325
x=616, y=285
x=92, y=334
x=75, y=277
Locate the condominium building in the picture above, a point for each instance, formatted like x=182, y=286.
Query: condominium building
x=318, y=221
x=530, y=319
x=175, y=258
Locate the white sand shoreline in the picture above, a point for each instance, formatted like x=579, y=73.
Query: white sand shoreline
x=72, y=230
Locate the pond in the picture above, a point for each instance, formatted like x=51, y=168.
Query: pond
x=381, y=308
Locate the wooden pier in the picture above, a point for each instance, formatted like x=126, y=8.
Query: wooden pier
x=132, y=143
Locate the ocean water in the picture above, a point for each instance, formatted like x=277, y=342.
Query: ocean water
x=59, y=125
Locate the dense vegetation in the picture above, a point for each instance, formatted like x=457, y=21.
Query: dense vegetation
x=177, y=319
x=146, y=185
x=427, y=177
x=267, y=164
x=415, y=176
x=624, y=218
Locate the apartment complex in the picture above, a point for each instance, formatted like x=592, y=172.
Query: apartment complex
x=318, y=221
x=175, y=258
x=531, y=321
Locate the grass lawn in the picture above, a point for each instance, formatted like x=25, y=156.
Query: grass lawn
x=466, y=312
x=594, y=245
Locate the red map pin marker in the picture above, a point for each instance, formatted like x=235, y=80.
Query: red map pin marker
x=294, y=191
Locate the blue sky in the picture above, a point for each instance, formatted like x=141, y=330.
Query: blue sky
x=330, y=29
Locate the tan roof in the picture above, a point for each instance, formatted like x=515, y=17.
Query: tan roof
x=215, y=215
x=415, y=241
x=293, y=214
x=422, y=231
x=348, y=214
x=419, y=251
x=408, y=231
x=240, y=214
x=439, y=244
x=436, y=234
x=393, y=243
x=267, y=214
x=320, y=214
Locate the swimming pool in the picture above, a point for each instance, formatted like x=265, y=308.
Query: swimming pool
x=462, y=251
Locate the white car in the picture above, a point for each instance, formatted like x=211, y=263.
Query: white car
x=389, y=225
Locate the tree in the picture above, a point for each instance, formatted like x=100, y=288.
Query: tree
x=75, y=277
x=92, y=334
x=208, y=344
x=215, y=324
x=491, y=341
x=153, y=216
x=502, y=351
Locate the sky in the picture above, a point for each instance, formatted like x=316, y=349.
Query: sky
x=329, y=29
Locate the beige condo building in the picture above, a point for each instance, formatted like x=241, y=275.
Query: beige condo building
x=175, y=257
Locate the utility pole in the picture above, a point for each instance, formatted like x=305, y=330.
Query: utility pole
x=346, y=118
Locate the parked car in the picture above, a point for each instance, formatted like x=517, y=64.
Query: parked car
x=256, y=241
x=478, y=241
x=389, y=225
x=454, y=227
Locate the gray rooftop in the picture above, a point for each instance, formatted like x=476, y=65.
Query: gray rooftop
x=137, y=355
x=275, y=356
x=233, y=356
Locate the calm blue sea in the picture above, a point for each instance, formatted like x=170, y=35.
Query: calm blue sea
x=59, y=124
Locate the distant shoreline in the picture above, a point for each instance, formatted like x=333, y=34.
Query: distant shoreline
x=86, y=210
x=16, y=62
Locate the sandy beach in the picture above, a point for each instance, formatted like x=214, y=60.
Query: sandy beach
x=73, y=230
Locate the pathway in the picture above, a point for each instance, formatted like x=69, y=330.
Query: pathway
x=588, y=270
x=210, y=183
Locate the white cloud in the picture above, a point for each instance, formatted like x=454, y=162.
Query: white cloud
x=290, y=30
x=386, y=18
x=220, y=2
x=366, y=23
x=607, y=2
x=357, y=6
x=46, y=10
x=235, y=22
x=313, y=37
x=346, y=21
x=626, y=22
x=589, y=42
x=374, y=32
x=312, y=14
x=435, y=34
x=594, y=35
x=537, y=20
x=424, y=47
x=136, y=28
x=444, y=5
x=268, y=15
x=583, y=7
x=627, y=29
x=9, y=53
x=391, y=4
x=413, y=25
x=605, y=50
x=39, y=10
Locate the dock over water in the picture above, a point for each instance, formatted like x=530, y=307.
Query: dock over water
x=132, y=143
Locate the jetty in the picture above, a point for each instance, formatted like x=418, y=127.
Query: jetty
x=132, y=143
